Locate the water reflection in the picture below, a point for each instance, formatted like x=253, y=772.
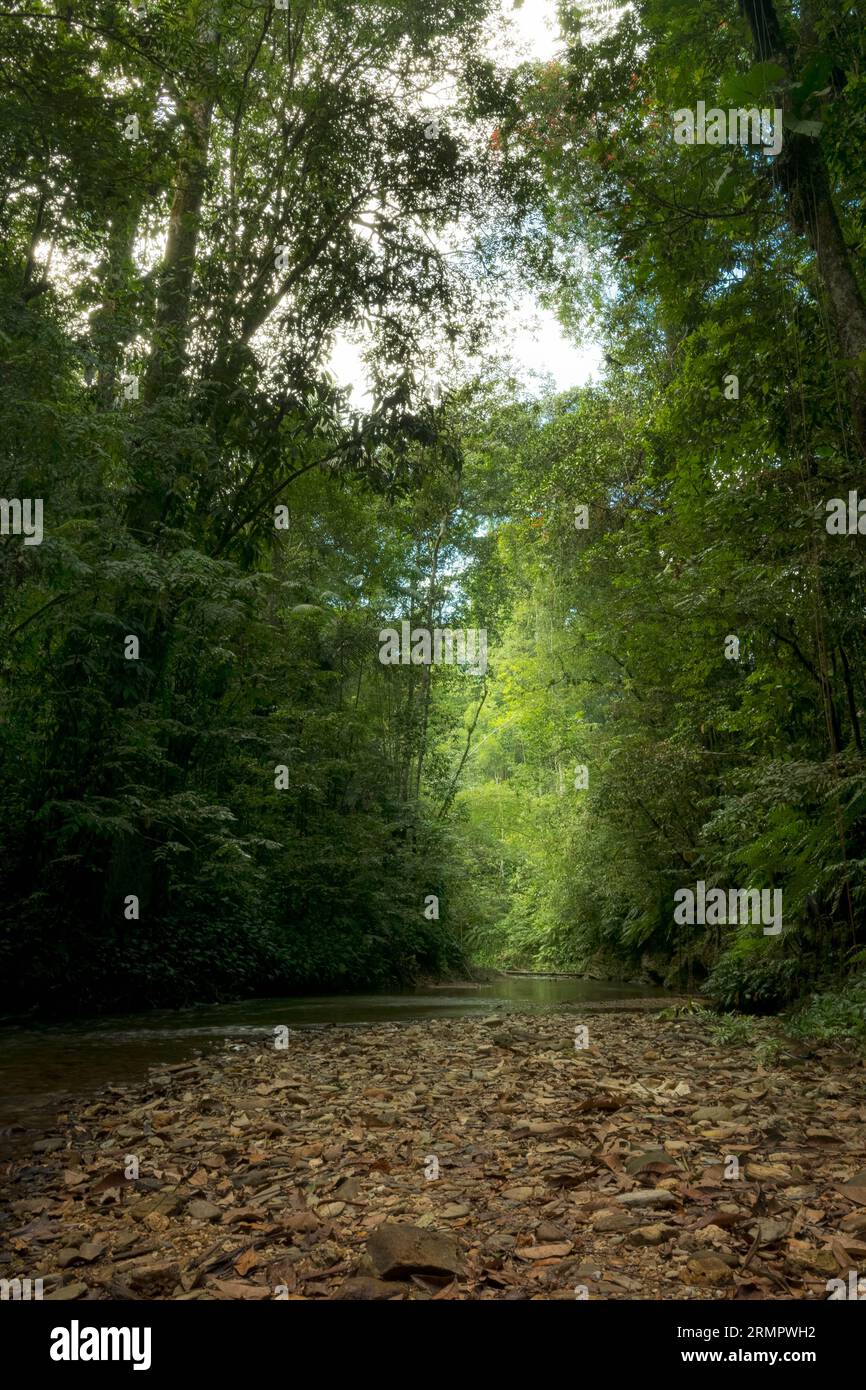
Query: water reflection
x=42, y=1067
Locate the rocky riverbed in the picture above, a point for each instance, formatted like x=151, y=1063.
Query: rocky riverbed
x=455, y=1159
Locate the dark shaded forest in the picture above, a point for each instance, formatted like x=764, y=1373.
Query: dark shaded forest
x=213, y=783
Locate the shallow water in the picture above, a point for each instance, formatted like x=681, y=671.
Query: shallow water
x=43, y=1067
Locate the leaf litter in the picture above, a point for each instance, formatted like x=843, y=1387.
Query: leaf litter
x=442, y=1160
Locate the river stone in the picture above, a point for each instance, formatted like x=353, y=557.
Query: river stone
x=152, y=1280
x=159, y=1204
x=365, y=1290
x=513, y=1038
x=612, y=1221
x=204, y=1211
x=647, y=1197
x=707, y=1268
x=650, y=1235
x=500, y=1243
x=239, y=1288
x=547, y=1231
x=379, y=1119
x=398, y=1252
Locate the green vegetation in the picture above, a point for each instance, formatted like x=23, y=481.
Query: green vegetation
x=168, y=306
x=729, y=289
x=250, y=801
x=832, y=1014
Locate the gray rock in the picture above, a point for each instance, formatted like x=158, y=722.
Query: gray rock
x=154, y=1280
x=398, y=1252
x=204, y=1211
x=647, y=1197
x=547, y=1231
x=612, y=1221
x=157, y=1203
x=650, y=1235
x=363, y=1290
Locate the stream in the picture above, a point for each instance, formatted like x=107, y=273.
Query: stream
x=43, y=1066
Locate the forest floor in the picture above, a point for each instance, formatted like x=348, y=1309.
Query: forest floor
x=652, y=1163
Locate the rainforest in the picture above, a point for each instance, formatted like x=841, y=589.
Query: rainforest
x=430, y=557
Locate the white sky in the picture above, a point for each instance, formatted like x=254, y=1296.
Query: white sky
x=529, y=334
x=536, y=27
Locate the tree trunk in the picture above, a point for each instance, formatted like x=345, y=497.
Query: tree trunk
x=171, y=328
x=111, y=327
x=852, y=701
x=803, y=176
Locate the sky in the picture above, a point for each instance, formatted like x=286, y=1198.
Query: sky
x=535, y=24
x=531, y=335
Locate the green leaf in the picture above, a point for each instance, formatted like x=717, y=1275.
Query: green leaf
x=749, y=88
x=811, y=128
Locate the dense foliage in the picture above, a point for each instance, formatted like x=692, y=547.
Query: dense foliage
x=212, y=784
x=729, y=287
x=193, y=206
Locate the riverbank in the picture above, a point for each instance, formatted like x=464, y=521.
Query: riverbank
x=44, y=1067
x=526, y=1168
